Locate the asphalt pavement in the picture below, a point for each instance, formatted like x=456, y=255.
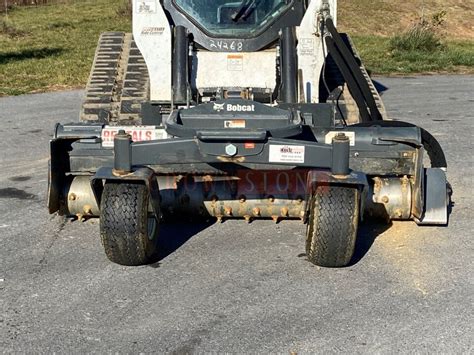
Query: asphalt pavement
x=235, y=287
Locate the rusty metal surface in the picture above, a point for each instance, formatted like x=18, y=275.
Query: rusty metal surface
x=390, y=198
x=248, y=195
x=81, y=201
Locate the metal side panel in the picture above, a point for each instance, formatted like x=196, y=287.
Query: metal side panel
x=234, y=70
x=436, y=198
x=57, y=169
x=310, y=49
x=152, y=34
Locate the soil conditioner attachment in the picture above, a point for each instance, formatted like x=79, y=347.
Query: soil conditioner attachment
x=239, y=110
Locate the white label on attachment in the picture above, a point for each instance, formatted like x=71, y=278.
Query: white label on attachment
x=287, y=154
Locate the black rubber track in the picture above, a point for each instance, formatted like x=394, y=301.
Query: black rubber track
x=118, y=82
x=124, y=224
x=343, y=50
x=335, y=78
x=351, y=82
x=332, y=229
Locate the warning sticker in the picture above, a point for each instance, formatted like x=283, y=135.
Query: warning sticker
x=145, y=7
x=306, y=46
x=234, y=124
x=287, y=154
x=235, y=62
x=331, y=135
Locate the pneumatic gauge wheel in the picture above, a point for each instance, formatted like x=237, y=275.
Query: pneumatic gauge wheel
x=128, y=227
x=332, y=226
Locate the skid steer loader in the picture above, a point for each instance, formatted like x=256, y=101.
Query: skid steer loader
x=245, y=110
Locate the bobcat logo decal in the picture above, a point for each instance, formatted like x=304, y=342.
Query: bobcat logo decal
x=218, y=107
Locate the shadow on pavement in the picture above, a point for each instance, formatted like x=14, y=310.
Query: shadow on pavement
x=381, y=88
x=368, y=232
x=174, y=235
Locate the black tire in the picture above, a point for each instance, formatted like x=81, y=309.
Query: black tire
x=129, y=232
x=332, y=227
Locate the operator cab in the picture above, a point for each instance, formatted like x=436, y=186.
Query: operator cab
x=236, y=19
x=255, y=22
